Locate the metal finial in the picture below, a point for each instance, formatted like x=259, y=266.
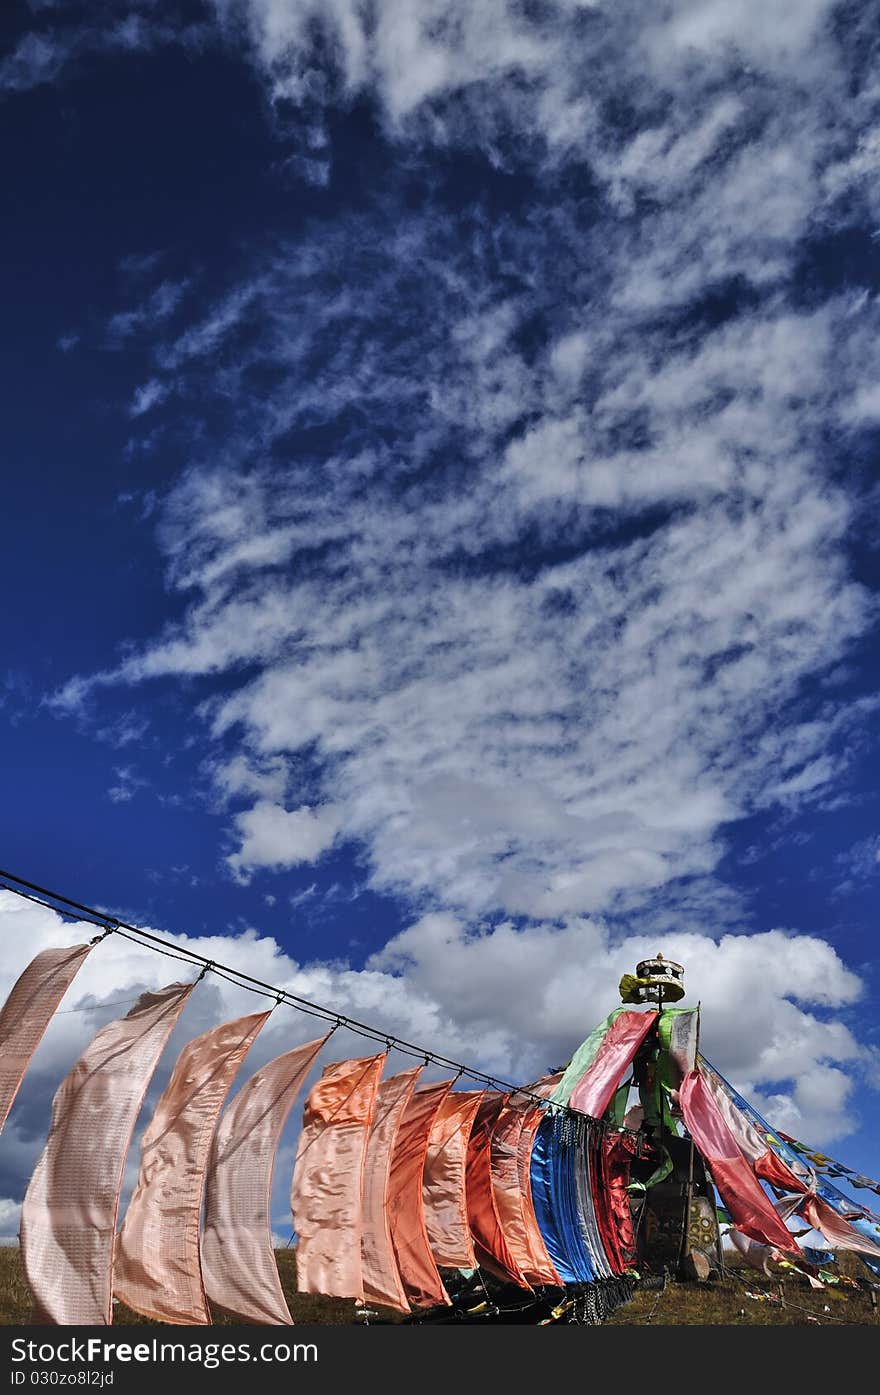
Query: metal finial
x=656, y=980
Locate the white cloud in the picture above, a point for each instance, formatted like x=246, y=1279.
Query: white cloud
x=417, y=54
x=240, y=776
x=774, y=35
x=9, y=1214
x=862, y=164
x=864, y=406
x=539, y=743
x=275, y=837
x=540, y=628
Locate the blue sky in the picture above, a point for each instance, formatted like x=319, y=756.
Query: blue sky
x=440, y=503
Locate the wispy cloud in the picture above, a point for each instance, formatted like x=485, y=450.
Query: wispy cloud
x=150, y=315
x=128, y=783
x=147, y=396
x=63, y=39
x=128, y=729
x=137, y=266
x=499, y=61
x=209, y=334
x=860, y=864
x=541, y=740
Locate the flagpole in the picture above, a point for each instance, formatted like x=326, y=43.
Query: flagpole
x=690, y=1191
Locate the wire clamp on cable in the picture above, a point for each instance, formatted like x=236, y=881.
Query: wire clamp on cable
x=111, y=926
x=208, y=966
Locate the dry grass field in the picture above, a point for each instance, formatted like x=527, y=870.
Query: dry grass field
x=679, y=1304
x=726, y=1303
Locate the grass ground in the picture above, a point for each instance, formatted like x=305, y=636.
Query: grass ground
x=678, y=1304
x=727, y=1303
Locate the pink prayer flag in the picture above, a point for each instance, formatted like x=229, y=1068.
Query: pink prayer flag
x=328, y=1177
x=238, y=1260
x=68, y=1220
x=444, y=1192
x=382, y=1282
x=158, y=1271
x=27, y=1012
